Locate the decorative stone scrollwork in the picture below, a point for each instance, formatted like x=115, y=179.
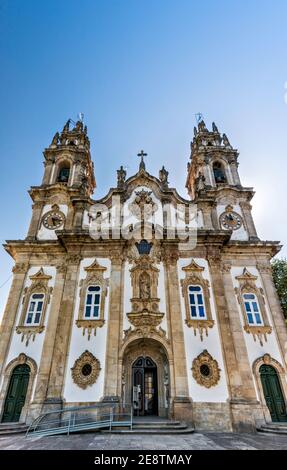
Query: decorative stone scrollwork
x=205, y=370
x=20, y=268
x=39, y=285
x=86, y=370
x=193, y=276
x=247, y=284
x=95, y=276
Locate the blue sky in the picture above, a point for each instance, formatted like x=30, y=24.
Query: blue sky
x=140, y=71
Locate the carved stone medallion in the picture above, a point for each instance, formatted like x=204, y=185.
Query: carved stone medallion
x=86, y=370
x=205, y=370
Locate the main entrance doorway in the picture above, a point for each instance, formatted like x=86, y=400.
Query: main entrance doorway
x=273, y=393
x=16, y=394
x=145, y=390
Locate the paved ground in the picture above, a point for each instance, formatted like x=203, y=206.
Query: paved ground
x=96, y=441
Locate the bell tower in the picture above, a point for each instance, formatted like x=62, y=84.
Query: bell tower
x=67, y=185
x=213, y=183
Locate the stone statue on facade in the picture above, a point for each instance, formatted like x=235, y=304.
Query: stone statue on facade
x=163, y=175
x=55, y=139
x=200, y=182
x=121, y=177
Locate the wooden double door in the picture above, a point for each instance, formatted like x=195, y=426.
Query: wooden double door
x=273, y=393
x=145, y=389
x=16, y=393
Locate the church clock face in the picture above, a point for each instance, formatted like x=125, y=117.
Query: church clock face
x=53, y=219
x=230, y=220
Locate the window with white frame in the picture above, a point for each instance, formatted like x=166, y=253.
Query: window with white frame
x=93, y=300
x=252, y=309
x=196, y=302
x=35, y=309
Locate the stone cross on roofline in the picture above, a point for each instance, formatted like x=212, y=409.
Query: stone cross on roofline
x=142, y=154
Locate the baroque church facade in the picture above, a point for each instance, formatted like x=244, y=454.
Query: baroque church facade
x=136, y=315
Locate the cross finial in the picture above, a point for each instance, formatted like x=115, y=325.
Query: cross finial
x=142, y=154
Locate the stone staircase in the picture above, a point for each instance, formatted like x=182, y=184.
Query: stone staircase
x=274, y=428
x=7, y=429
x=154, y=426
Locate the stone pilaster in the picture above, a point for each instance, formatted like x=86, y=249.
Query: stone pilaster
x=242, y=394
x=234, y=173
x=275, y=307
x=9, y=318
x=111, y=392
x=49, y=163
x=182, y=406
x=246, y=210
x=49, y=344
x=207, y=216
x=63, y=332
x=35, y=221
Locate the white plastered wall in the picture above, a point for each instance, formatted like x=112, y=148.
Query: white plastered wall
x=254, y=349
x=79, y=343
x=34, y=348
x=194, y=346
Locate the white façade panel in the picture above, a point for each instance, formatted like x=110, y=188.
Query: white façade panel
x=194, y=346
x=34, y=348
x=43, y=232
x=80, y=343
x=241, y=233
x=254, y=349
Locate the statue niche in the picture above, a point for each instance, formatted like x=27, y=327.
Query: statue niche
x=145, y=301
x=144, y=286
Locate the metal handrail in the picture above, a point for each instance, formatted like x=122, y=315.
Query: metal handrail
x=74, y=422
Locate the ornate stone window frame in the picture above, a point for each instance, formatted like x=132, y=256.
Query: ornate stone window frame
x=205, y=359
x=21, y=359
x=95, y=277
x=39, y=285
x=194, y=276
x=247, y=285
x=81, y=379
x=268, y=360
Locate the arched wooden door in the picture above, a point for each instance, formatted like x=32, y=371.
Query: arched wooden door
x=145, y=398
x=273, y=393
x=16, y=393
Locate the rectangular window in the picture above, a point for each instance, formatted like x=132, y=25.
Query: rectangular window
x=196, y=302
x=35, y=309
x=93, y=301
x=252, y=309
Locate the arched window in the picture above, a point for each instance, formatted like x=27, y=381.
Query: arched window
x=219, y=173
x=35, y=309
x=64, y=174
x=93, y=301
x=252, y=309
x=196, y=302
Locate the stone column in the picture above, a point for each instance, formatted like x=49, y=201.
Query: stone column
x=234, y=173
x=111, y=392
x=63, y=334
x=275, y=307
x=35, y=221
x=182, y=406
x=243, y=402
x=49, y=344
x=48, y=171
x=246, y=211
x=79, y=207
x=207, y=216
x=8, y=323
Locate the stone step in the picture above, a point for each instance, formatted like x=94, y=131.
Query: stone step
x=170, y=430
x=12, y=428
x=280, y=428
